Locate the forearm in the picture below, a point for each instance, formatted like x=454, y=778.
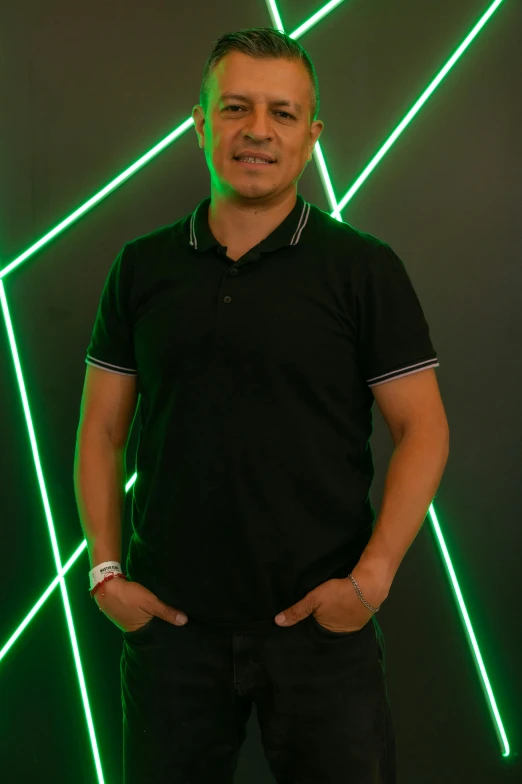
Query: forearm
x=99, y=475
x=414, y=474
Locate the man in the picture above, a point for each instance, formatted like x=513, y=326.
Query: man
x=257, y=332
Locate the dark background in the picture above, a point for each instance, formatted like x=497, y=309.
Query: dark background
x=85, y=90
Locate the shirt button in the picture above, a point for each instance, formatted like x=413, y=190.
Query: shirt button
x=233, y=271
x=227, y=299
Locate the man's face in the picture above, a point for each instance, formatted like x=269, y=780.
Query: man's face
x=256, y=120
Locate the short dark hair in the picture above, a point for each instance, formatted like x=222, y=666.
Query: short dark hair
x=260, y=42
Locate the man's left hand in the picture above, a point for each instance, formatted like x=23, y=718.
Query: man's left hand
x=335, y=605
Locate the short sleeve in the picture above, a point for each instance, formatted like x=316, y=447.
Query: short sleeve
x=393, y=335
x=111, y=347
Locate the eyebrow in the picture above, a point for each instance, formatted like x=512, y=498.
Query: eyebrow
x=280, y=102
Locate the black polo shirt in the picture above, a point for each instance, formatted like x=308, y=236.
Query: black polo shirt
x=255, y=380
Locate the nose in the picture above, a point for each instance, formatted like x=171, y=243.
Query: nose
x=258, y=125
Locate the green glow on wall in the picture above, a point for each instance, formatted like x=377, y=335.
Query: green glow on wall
x=336, y=210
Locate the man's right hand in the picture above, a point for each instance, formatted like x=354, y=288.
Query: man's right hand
x=130, y=605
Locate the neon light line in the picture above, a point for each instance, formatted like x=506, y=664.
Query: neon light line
x=52, y=533
x=48, y=591
x=471, y=638
x=416, y=107
x=43, y=598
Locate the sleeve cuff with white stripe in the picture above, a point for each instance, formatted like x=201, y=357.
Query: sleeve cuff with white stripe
x=404, y=371
x=123, y=371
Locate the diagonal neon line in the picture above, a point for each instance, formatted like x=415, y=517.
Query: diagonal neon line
x=471, y=638
x=416, y=107
x=98, y=197
x=121, y=178
x=50, y=524
x=43, y=598
x=299, y=31
x=50, y=588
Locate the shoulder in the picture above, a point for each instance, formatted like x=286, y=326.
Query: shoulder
x=152, y=242
x=161, y=240
x=353, y=252
x=148, y=256
x=343, y=235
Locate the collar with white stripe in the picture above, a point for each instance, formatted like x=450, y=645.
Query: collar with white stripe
x=287, y=233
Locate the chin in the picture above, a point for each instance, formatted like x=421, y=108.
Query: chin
x=254, y=190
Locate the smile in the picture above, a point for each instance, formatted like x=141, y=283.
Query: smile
x=253, y=162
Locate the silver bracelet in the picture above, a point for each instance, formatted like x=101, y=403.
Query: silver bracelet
x=361, y=597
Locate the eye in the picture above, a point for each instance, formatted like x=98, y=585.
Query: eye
x=236, y=106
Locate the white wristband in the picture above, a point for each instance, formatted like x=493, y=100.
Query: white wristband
x=97, y=574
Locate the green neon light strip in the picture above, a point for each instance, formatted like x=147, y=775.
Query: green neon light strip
x=336, y=207
x=29, y=617
x=74, y=557
x=175, y=134
x=416, y=107
x=52, y=534
x=336, y=212
x=472, y=640
x=130, y=482
x=98, y=197
x=298, y=32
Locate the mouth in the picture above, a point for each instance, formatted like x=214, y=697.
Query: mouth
x=251, y=162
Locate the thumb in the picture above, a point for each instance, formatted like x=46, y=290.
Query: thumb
x=170, y=614
x=297, y=612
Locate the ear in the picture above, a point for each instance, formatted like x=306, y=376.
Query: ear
x=315, y=132
x=198, y=115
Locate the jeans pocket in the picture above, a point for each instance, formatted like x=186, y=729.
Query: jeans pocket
x=322, y=630
x=140, y=630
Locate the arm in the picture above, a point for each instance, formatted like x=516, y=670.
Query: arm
x=413, y=410
x=414, y=474
x=107, y=409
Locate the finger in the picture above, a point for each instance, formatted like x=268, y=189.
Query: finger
x=170, y=614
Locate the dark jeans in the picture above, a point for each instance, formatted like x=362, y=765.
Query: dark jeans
x=321, y=701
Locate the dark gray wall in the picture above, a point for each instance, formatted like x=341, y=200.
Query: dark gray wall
x=88, y=88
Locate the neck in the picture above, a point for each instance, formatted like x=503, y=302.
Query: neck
x=245, y=222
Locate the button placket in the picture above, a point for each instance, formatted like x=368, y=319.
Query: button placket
x=232, y=271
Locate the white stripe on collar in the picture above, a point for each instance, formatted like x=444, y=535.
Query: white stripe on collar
x=193, y=240
x=303, y=220
x=302, y=223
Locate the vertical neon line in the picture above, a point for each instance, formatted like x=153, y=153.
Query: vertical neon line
x=50, y=524
x=50, y=588
x=43, y=598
